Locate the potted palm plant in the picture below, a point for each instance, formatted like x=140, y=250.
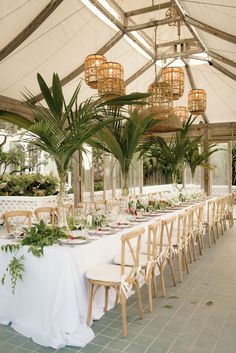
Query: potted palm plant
x=170, y=154
x=123, y=137
x=60, y=128
x=194, y=158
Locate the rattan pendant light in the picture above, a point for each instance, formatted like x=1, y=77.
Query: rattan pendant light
x=174, y=76
x=197, y=101
x=161, y=101
x=111, y=79
x=181, y=112
x=91, y=66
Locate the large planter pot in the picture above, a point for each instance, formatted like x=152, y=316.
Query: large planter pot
x=11, y=203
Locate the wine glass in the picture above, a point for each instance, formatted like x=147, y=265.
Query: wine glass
x=77, y=218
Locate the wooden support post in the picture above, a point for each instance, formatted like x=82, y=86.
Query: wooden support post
x=104, y=176
x=184, y=177
x=229, y=167
x=141, y=176
x=77, y=171
x=113, y=175
x=91, y=176
x=207, y=172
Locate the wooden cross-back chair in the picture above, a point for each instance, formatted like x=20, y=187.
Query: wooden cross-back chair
x=190, y=235
x=198, y=226
x=218, y=219
x=210, y=222
x=168, y=250
x=182, y=242
x=41, y=212
x=25, y=214
x=229, y=210
x=122, y=278
x=155, y=259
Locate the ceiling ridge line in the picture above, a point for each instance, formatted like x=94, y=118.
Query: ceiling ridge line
x=29, y=29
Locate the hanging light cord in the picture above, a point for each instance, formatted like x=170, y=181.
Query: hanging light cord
x=155, y=51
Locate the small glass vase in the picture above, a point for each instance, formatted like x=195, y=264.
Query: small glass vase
x=62, y=199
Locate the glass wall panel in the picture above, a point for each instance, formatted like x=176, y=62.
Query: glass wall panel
x=220, y=171
x=87, y=163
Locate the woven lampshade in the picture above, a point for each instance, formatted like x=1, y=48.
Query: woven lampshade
x=174, y=76
x=91, y=65
x=181, y=112
x=111, y=79
x=172, y=12
x=197, y=101
x=161, y=101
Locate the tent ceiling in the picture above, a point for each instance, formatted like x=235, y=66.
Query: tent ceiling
x=72, y=31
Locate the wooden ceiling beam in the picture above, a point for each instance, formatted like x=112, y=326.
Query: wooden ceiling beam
x=125, y=21
x=155, y=23
x=139, y=72
x=176, y=42
x=192, y=30
x=211, y=30
x=121, y=27
x=216, y=132
x=221, y=58
x=27, y=31
x=147, y=9
x=145, y=68
x=181, y=54
x=193, y=86
x=15, y=106
x=223, y=70
x=80, y=68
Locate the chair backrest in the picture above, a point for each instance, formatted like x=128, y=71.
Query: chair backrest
x=211, y=211
x=131, y=246
x=111, y=204
x=198, y=218
x=182, y=230
x=190, y=223
x=69, y=208
x=167, y=229
x=155, y=241
x=41, y=212
x=13, y=215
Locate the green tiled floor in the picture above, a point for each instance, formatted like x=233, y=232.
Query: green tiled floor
x=198, y=316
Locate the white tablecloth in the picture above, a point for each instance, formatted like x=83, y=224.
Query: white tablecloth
x=50, y=305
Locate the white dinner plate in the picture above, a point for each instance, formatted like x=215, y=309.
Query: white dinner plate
x=152, y=214
x=73, y=241
x=102, y=232
x=139, y=219
x=121, y=225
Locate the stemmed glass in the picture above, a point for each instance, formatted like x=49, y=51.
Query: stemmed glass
x=77, y=218
x=17, y=226
x=84, y=225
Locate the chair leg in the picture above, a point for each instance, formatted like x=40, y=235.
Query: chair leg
x=150, y=291
x=199, y=241
x=180, y=266
x=209, y=236
x=190, y=251
x=117, y=296
x=139, y=299
x=123, y=314
x=106, y=298
x=154, y=282
x=90, y=303
x=217, y=231
x=194, y=250
x=172, y=270
x=163, y=286
x=186, y=261
x=213, y=234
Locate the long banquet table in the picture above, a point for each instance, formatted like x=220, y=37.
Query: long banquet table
x=50, y=304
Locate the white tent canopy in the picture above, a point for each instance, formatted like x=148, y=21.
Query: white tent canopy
x=76, y=28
